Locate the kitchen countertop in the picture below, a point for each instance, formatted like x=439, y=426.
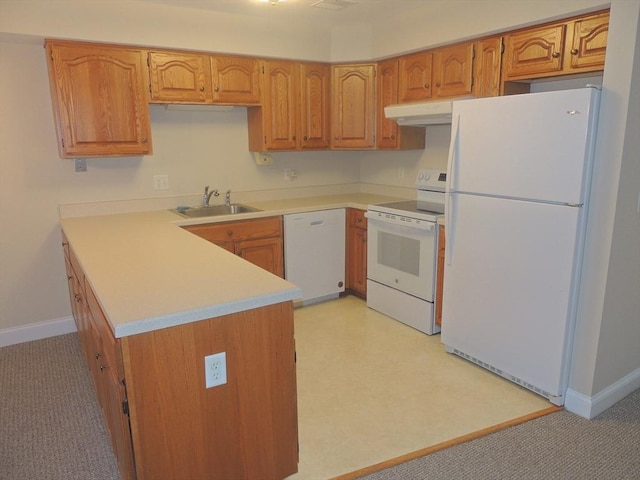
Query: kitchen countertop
x=148, y=273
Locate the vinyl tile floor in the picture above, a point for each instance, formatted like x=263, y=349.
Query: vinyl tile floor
x=371, y=389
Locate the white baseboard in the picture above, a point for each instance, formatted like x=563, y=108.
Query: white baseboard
x=590, y=407
x=37, y=331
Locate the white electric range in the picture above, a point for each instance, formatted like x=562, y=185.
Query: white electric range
x=402, y=240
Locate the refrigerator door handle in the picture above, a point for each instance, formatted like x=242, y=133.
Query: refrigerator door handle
x=453, y=153
x=451, y=171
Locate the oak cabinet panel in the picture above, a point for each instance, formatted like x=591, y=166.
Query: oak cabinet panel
x=315, y=79
x=273, y=126
x=588, y=45
x=573, y=46
x=487, y=67
x=452, y=71
x=179, y=77
x=415, y=77
x=99, y=99
x=356, y=264
x=353, y=106
x=258, y=241
x=235, y=80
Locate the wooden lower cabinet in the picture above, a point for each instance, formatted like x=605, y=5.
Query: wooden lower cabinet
x=164, y=423
x=258, y=241
x=356, y=274
x=440, y=275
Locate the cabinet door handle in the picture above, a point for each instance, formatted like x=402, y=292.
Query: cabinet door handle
x=216, y=89
x=438, y=84
x=102, y=367
x=202, y=88
x=98, y=355
x=143, y=139
x=555, y=54
x=574, y=51
x=426, y=85
x=230, y=233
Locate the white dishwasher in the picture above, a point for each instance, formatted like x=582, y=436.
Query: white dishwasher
x=314, y=244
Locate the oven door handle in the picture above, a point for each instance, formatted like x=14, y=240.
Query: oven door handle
x=423, y=226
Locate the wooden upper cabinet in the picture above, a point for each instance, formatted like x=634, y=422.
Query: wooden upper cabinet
x=572, y=46
x=487, y=67
x=387, y=94
x=235, y=80
x=533, y=52
x=588, y=45
x=179, y=77
x=415, y=77
x=274, y=125
x=353, y=106
x=389, y=135
x=452, y=71
x=315, y=79
x=99, y=99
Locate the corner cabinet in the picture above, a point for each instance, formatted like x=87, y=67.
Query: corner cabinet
x=258, y=241
x=99, y=99
x=353, y=104
x=356, y=264
x=390, y=135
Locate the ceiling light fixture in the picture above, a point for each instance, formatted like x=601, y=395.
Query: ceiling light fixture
x=272, y=2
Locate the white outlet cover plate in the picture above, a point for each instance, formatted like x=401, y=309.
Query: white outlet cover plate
x=215, y=369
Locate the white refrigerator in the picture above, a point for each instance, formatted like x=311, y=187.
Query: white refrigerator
x=516, y=199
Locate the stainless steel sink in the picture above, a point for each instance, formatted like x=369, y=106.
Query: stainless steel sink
x=213, y=210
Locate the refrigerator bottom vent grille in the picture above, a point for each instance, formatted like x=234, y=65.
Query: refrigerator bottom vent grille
x=502, y=373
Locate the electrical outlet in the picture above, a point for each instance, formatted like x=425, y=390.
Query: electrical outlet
x=161, y=182
x=290, y=174
x=215, y=369
x=80, y=164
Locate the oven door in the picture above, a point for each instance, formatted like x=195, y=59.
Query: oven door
x=401, y=254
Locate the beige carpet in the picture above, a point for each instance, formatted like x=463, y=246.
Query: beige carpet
x=371, y=389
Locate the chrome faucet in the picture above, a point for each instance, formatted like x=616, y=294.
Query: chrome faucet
x=227, y=198
x=207, y=196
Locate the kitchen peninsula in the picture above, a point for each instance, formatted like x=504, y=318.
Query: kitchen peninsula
x=151, y=300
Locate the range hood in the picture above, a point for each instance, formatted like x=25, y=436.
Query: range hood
x=417, y=114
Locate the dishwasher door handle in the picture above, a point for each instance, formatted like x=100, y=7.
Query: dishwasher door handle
x=316, y=222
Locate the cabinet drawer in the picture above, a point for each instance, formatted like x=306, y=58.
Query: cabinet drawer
x=220, y=233
x=356, y=218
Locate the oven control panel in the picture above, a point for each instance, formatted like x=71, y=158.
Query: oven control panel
x=431, y=179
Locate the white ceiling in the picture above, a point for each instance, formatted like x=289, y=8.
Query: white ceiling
x=336, y=13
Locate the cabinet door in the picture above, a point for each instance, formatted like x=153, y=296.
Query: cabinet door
x=356, y=252
x=236, y=80
x=353, y=106
x=266, y=253
x=99, y=97
x=534, y=52
x=588, y=46
x=273, y=126
x=314, y=105
x=415, y=77
x=387, y=94
x=487, y=66
x=452, y=75
x=179, y=77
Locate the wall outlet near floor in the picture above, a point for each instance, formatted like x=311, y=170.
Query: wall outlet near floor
x=161, y=182
x=215, y=369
